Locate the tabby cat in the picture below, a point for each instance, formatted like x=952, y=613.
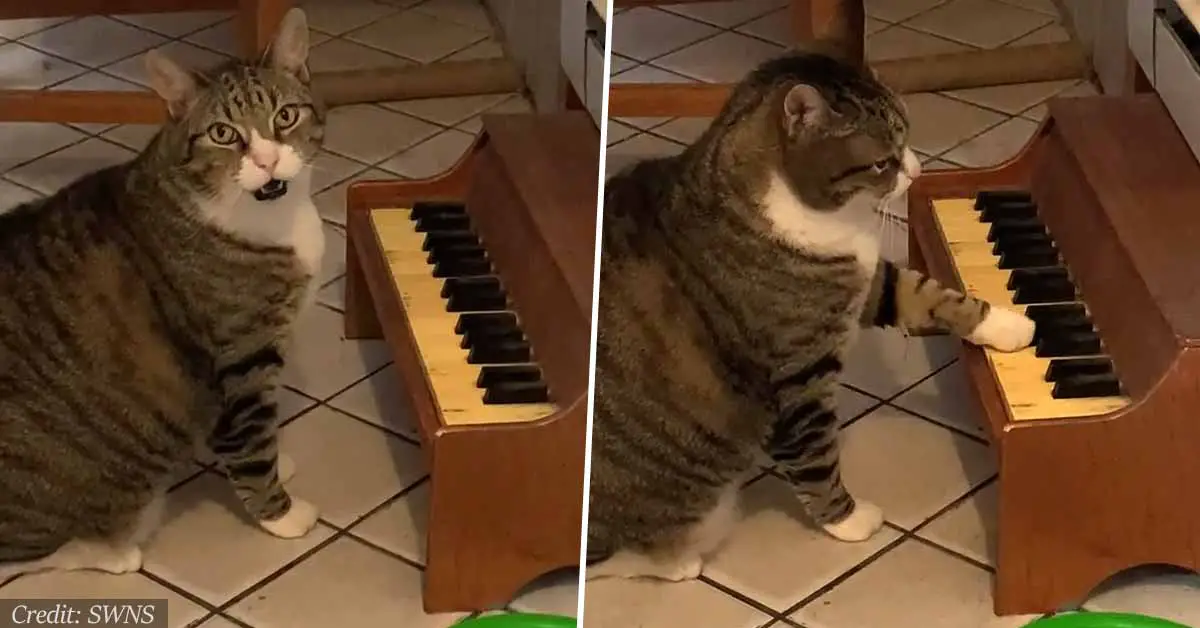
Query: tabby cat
x=145, y=310
x=733, y=279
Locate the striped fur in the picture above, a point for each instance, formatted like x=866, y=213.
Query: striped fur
x=136, y=323
x=733, y=278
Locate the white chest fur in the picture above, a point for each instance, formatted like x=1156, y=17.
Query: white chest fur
x=292, y=220
x=852, y=230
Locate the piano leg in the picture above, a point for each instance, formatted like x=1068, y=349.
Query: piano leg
x=360, y=320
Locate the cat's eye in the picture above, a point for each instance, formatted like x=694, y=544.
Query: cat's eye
x=286, y=117
x=223, y=134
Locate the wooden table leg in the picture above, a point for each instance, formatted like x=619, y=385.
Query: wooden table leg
x=840, y=23
x=257, y=21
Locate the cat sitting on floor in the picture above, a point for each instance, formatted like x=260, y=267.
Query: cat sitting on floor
x=145, y=310
x=734, y=277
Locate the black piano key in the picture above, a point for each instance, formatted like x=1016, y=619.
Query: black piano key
x=492, y=375
x=1052, y=291
x=986, y=197
x=1062, y=368
x=467, y=267
x=440, y=239
x=1029, y=258
x=1022, y=277
x=444, y=222
x=471, y=285
x=1022, y=242
x=1055, y=311
x=490, y=336
x=1060, y=328
x=456, y=252
x=1086, y=385
x=1008, y=227
x=476, y=300
x=423, y=209
x=477, y=320
x=516, y=392
x=1013, y=210
x=509, y=352
x=1069, y=344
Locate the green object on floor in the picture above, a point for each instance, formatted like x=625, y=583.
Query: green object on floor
x=1103, y=620
x=518, y=620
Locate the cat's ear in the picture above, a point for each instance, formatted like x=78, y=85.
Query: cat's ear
x=289, y=51
x=804, y=109
x=171, y=81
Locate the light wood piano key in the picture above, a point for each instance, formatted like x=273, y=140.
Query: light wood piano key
x=1021, y=375
x=452, y=378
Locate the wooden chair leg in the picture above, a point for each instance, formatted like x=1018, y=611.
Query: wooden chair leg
x=840, y=23
x=257, y=21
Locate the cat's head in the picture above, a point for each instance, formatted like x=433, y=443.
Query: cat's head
x=242, y=124
x=843, y=134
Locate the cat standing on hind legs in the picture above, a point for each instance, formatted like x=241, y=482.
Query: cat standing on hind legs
x=146, y=308
x=733, y=279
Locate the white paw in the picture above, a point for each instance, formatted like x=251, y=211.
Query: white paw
x=122, y=560
x=286, y=468
x=686, y=569
x=1003, y=330
x=861, y=524
x=299, y=520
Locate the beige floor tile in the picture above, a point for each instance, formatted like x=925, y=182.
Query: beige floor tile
x=54, y=171
x=432, y=157
x=650, y=74
x=1011, y=99
x=618, y=132
x=938, y=123
x=684, y=130
x=25, y=141
x=911, y=482
x=898, y=10
x=94, y=41
x=775, y=556
x=645, y=33
x=329, y=169
x=346, y=467
x=981, y=23
x=239, y=553
x=336, y=55
x=912, y=586
x=331, y=203
x=939, y=164
x=382, y=590
x=515, y=104
x=219, y=37
x=16, y=29
x=638, y=147
x=447, y=111
x=555, y=594
x=342, y=16
x=292, y=403
x=132, y=136
x=417, y=36
x=1150, y=591
x=851, y=404
x=1049, y=34
x=898, y=42
x=488, y=48
x=946, y=398
x=619, y=64
x=333, y=263
x=646, y=603
x=401, y=526
x=381, y=400
x=46, y=70
x=726, y=14
x=774, y=27
x=970, y=527
x=370, y=134
x=12, y=195
x=334, y=294
x=469, y=13
x=175, y=24
x=995, y=145
x=133, y=69
x=1042, y=6
x=86, y=585
x=323, y=361
x=725, y=58
x=874, y=26
x=644, y=124
x=884, y=362
x=218, y=622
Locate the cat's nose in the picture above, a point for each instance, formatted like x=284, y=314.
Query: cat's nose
x=265, y=161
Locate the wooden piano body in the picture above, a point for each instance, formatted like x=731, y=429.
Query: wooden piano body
x=1088, y=491
x=506, y=489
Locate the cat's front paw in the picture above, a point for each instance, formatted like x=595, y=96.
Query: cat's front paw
x=861, y=524
x=298, y=521
x=1004, y=330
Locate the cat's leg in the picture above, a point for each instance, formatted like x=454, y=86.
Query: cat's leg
x=672, y=567
x=246, y=446
x=804, y=446
x=78, y=555
x=912, y=301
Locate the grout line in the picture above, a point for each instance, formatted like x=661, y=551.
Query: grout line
x=844, y=576
x=741, y=597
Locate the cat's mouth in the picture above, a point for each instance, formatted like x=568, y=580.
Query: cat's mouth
x=273, y=189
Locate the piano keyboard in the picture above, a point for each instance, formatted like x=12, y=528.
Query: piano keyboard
x=479, y=363
x=1003, y=254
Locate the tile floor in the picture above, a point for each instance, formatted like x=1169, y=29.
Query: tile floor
x=357, y=458
x=912, y=443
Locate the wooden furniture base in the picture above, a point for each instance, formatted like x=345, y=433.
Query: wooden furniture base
x=1082, y=499
x=506, y=498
